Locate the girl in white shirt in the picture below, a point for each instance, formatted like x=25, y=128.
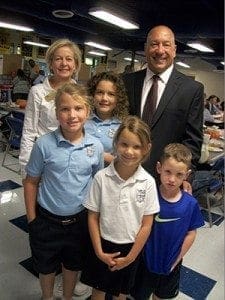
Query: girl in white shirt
x=122, y=201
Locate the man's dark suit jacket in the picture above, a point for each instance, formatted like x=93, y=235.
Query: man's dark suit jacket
x=179, y=115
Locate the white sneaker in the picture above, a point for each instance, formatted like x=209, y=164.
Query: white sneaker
x=81, y=289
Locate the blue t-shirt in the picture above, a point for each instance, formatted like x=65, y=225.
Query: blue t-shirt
x=66, y=171
x=104, y=130
x=170, y=227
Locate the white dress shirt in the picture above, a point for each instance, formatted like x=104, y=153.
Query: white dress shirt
x=163, y=79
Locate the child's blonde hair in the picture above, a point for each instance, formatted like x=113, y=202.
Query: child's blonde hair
x=137, y=127
x=77, y=91
x=177, y=151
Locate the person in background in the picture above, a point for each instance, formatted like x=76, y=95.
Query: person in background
x=110, y=107
x=207, y=117
x=57, y=220
x=21, y=86
x=34, y=70
x=213, y=105
x=40, y=78
x=128, y=69
x=222, y=106
x=121, y=204
x=179, y=109
x=64, y=60
x=173, y=231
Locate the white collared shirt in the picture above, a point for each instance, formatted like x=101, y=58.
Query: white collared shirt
x=164, y=77
x=122, y=203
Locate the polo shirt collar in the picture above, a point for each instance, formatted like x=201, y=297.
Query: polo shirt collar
x=139, y=175
x=86, y=141
x=95, y=117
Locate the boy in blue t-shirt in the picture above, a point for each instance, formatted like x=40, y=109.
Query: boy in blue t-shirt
x=174, y=228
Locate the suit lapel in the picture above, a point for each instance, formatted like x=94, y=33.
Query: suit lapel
x=168, y=94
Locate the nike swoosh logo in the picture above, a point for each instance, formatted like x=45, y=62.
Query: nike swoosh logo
x=160, y=220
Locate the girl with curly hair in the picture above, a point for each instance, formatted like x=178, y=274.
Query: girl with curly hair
x=110, y=106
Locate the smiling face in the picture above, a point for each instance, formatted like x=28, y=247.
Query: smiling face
x=160, y=49
x=71, y=114
x=172, y=174
x=105, y=99
x=129, y=149
x=63, y=63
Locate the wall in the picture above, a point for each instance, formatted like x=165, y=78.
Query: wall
x=213, y=81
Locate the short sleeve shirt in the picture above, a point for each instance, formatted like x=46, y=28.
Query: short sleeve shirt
x=122, y=203
x=104, y=130
x=66, y=171
x=169, y=230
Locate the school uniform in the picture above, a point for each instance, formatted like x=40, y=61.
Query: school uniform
x=122, y=205
x=66, y=171
x=104, y=130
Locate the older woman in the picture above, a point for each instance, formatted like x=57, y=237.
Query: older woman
x=64, y=60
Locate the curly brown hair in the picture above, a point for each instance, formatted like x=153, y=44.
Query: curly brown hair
x=122, y=108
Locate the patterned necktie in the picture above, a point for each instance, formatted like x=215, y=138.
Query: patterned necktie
x=151, y=100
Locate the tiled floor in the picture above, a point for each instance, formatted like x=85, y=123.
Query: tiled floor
x=202, y=275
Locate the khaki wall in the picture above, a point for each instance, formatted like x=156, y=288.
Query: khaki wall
x=11, y=63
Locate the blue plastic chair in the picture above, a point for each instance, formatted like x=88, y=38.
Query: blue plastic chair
x=13, y=144
x=207, y=184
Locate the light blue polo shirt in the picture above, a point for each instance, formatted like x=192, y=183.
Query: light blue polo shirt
x=66, y=171
x=104, y=130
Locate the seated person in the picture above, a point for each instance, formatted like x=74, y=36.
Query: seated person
x=212, y=105
x=210, y=119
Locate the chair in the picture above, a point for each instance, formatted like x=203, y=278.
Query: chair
x=4, y=130
x=11, y=154
x=18, y=114
x=207, y=184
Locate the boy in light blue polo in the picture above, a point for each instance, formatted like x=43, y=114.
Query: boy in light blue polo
x=59, y=173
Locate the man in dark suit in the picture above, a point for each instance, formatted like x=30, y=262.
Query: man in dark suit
x=179, y=109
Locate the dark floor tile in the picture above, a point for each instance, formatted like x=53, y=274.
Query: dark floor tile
x=8, y=185
x=194, y=284
x=28, y=265
x=20, y=222
x=217, y=219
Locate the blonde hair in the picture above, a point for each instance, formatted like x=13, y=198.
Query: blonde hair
x=138, y=127
x=177, y=151
x=77, y=91
x=61, y=43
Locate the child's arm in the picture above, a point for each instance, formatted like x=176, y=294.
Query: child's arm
x=93, y=224
x=187, y=243
x=139, y=243
x=30, y=195
x=108, y=157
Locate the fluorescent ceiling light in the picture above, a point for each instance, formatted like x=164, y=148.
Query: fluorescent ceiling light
x=182, y=64
x=96, y=53
x=99, y=46
x=222, y=62
x=200, y=47
x=36, y=44
x=113, y=19
x=15, y=27
x=130, y=59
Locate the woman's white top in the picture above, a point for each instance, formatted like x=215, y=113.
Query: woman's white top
x=40, y=118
